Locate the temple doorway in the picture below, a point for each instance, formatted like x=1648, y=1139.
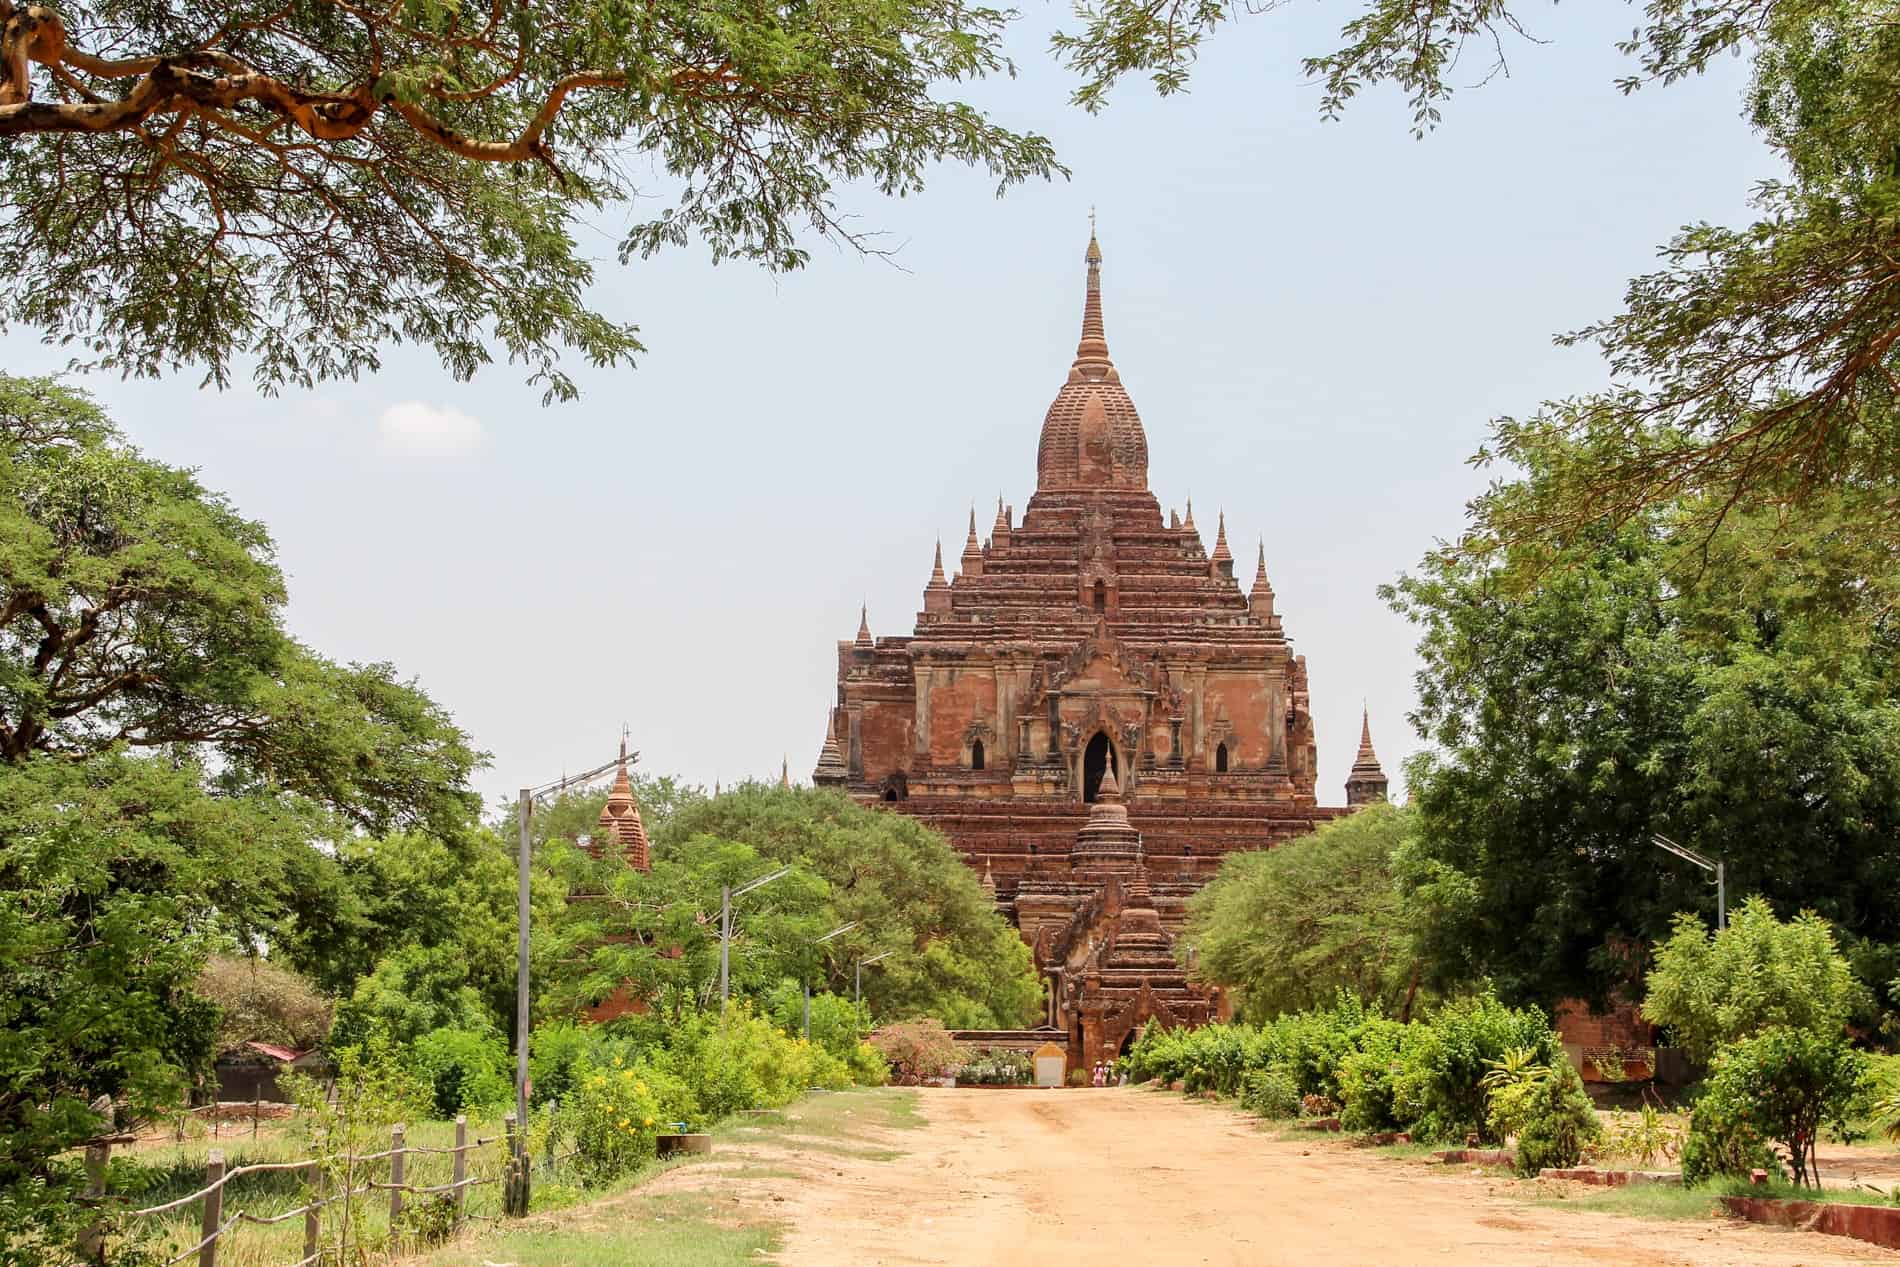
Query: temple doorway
x=1097, y=759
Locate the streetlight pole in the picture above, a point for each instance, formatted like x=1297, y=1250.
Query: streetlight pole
x=726, y=894
x=516, y=1187
x=839, y=931
x=1721, y=874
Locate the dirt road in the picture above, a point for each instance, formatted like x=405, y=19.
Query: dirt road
x=1128, y=1176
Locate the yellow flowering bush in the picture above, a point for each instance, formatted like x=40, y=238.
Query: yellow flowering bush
x=611, y=1115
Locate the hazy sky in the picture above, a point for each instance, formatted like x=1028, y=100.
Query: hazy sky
x=1316, y=321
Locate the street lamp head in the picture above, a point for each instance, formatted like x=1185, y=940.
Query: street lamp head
x=839, y=931
x=874, y=958
x=750, y=885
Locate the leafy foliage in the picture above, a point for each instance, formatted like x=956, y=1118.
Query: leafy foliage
x=1432, y=1076
x=1542, y=1106
x=1710, y=989
x=1440, y=1084
x=1784, y=1084
x=951, y=955
x=162, y=170
x=916, y=1050
x=175, y=772
x=468, y=1071
x=997, y=1067
x=1735, y=692
x=260, y=1001
x=1292, y=926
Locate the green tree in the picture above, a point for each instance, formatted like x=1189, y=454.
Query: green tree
x=176, y=774
x=162, y=170
x=1294, y=925
x=951, y=955
x=262, y=1001
x=1734, y=691
x=1783, y=1084
x=1711, y=989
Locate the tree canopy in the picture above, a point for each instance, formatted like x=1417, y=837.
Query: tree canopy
x=950, y=954
x=1711, y=988
x=297, y=186
x=1733, y=691
x=1292, y=926
x=178, y=777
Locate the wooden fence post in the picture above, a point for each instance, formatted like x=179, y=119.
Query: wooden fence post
x=213, y=1208
x=514, y=1184
x=461, y=1165
x=395, y=1175
x=313, y=1213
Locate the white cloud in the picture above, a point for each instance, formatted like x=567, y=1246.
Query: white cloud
x=417, y=429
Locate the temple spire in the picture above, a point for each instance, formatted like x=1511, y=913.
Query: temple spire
x=1221, y=562
x=972, y=561
x=1092, y=349
x=937, y=593
x=1366, y=782
x=620, y=818
x=831, y=770
x=864, y=625
x=1260, y=599
x=785, y=771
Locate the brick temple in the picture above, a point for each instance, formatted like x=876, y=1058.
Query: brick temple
x=1095, y=713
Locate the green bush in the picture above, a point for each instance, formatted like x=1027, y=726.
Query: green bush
x=1368, y=1079
x=997, y=1067
x=553, y=1052
x=1710, y=989
x=916, y=1050
x=1781, y=1086
x=467, y=1071
x=1545, y=1107
x=1438, y=1088
x=1272, y=1092
x=612, y=1117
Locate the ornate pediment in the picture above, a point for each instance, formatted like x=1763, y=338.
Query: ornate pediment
x=1106, y=663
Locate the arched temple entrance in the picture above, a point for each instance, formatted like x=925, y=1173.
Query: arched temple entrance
x=1097, y=759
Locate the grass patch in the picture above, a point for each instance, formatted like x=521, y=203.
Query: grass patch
x=1642, y=1201
x=680, y=1230
x=1668, y=1201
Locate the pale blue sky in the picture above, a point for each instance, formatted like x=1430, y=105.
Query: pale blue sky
x=1315, y=320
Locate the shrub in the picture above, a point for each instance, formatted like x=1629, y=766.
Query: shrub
x=465, y=1070
x=1367, y=1080
x=916, y=1050
x=1783, y=1085
x=1544, y=1106
x=1272, y=1092
x=1711, y=989
x=837, y=1023
x=868, y=1067
x=1643, y=1138
x=612, y=1117
x=997, y=1067
x=1438, y=1088
x=553, y=1052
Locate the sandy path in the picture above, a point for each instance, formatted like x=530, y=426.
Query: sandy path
x=1133, y=1177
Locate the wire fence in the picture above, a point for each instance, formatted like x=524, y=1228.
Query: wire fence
x=328, y=1181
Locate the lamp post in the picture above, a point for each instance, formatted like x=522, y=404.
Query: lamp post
x=726, y=894
x=839, y=931
x=524, y=813
x=1721, y=876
